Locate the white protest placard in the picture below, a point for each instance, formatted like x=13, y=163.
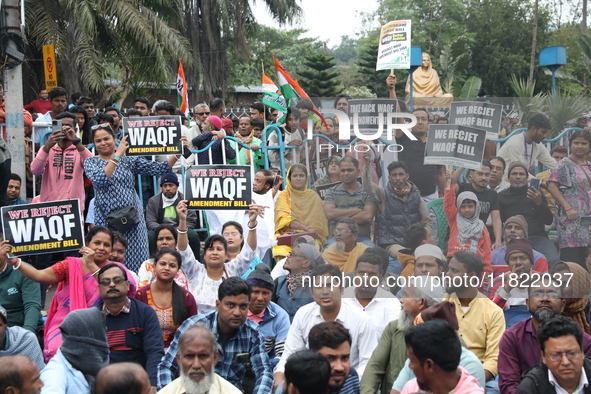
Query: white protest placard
x=394, y=50
x=449, y=144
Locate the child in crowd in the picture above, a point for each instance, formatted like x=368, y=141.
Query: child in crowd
x=292, y=135
x=466, y=230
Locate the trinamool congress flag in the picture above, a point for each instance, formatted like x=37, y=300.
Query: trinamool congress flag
x=182, y=90
x=273, y=98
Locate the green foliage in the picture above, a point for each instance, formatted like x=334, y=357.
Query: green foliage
x=584, y=42
x=453, y=65
x=289, y=47
x=471, y=87
x=319, y=82
x=345, y=51
x=359, y=92
x=559, y=110
x=374, y=80
x=562, y=109
x=502, y=41
x=524, y=99
x=134, y=36
x=435, y=23
x=496, y=36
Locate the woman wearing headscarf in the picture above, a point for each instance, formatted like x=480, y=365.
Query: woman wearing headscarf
x=577, y=286
x=83, y=353
x=466, y=230
x=298, y=209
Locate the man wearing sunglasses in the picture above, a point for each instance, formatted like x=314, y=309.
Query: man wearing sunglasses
x=201, y=113
x=133, y=330
x=564, y=367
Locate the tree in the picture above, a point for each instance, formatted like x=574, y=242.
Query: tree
x=345, y=51
x=218, y=31
x=435, y=23
x=374, y=80
x=89, y=35
x=288, y=45
x=319, y=82
x=503, y=35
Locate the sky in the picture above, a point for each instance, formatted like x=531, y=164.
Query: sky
x=326, y=19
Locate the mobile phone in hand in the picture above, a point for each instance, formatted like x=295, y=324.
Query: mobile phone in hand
x=186, y=152
x=56, y=125
x=534, y=183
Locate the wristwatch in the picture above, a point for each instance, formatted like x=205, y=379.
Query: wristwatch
x=76, y=142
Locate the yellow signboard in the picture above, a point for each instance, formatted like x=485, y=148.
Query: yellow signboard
x=50, y=66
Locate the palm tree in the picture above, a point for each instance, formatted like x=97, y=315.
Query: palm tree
x=216, y=28
x=133, y=35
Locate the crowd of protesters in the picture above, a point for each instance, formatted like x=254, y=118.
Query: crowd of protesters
x=336, y=279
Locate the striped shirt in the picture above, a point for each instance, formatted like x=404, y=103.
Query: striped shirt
x=340, y=198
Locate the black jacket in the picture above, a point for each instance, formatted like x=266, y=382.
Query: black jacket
x=536, y=380
x=155, y=213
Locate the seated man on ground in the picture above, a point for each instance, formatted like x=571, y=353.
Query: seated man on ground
x=83, y=353
x=344, y=253
x=236, y=335
x=443, y=311
x=18, y=341
x=161, y=209
x=273, y=321
x=367, y=295
x=510, y=289
x=474, y=309
x=18, y=374
x=389, y=356
x=564, y=367
x=434, y=351
x=515, y=227
x=519, y=349
x=520, y=199
x=328, y=306
x=306, y=372
x=349, y=199
x=292, y=291
x=399, y=205
x=133, y=328
x=429, y=260
x=415, y=236
x=19, y=295
x=198, y=354
x=128, y=378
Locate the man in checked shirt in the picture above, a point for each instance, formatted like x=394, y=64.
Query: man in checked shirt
x=239, y=340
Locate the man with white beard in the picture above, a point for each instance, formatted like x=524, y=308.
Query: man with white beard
x=198, y=353
x=390, y=355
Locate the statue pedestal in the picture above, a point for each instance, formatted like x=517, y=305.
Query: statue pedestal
x=431, y=102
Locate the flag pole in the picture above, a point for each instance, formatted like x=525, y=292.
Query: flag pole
x=263, y=101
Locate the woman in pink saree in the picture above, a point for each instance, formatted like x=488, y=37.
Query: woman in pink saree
x=76, y=280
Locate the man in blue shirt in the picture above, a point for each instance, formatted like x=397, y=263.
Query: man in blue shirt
x=239, y=340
